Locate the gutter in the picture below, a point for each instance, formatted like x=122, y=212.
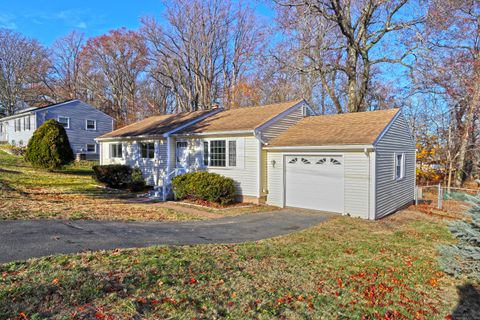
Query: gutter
x=364, y=148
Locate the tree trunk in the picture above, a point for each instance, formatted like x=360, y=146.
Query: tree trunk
x=352, y=60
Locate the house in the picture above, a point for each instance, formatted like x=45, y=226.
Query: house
x=82, y=122
x=361, y=164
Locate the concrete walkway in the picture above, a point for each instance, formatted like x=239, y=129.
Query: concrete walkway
x=23, y=239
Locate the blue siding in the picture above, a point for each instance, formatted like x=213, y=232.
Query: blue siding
x=78, y=112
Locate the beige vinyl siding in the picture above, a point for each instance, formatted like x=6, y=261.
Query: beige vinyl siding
x=279, y=126
x=392, y=194
x=356, y=185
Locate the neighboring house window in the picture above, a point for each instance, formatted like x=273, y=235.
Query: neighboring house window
x=64, y=121
x=91, y=125
x=116, y=150
x=205, y=153
x=148, y=150
x=232, y=153
x=218, y=156
x=91, y=148
x=399, y=166
x=18, y=124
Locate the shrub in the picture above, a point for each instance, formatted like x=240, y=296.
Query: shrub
x=120, y=177
x=49, y=147
x=204, y=186
x=138, y=182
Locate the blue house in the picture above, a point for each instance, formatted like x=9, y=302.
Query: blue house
x=82, y=122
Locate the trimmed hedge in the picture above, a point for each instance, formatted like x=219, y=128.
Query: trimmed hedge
x=120, y=177
x=204, y=186
x=49, y=147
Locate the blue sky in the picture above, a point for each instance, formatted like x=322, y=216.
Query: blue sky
x=47, y=20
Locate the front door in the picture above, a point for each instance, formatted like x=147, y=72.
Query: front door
x=182, y=154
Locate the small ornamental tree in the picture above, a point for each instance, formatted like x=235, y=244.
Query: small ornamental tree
x=463, y=258
x=49, y=147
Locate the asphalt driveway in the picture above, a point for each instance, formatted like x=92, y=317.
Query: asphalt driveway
x=23, y=239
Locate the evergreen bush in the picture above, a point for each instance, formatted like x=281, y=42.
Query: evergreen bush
x=120, y=177
x=204, y=186
x=463, y=258
x=49, y=147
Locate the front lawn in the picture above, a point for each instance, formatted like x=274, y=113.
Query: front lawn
x=72, y=193
x=345, y=268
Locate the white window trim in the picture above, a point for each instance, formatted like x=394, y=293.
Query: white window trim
x=111, y=156
x=93, y=144
x=86, y=124
x=68, y=121
x=139, y=146
x=402, y=166
x=227, y=152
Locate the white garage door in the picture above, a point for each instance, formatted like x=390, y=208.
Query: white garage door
x=315, y=182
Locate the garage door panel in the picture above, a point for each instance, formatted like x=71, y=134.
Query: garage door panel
x=315, y=182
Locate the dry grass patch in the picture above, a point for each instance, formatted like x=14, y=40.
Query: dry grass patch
x=72, y=193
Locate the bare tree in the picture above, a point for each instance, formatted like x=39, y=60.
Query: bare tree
x=24, y=66
x=67, y=63
x=203, y=51
x=114, y=64
x=450, y=65
x=340, y=41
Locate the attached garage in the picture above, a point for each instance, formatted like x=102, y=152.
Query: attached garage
x=315, y=182
x=347, y=164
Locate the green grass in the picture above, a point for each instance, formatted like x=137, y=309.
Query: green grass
x=343, y=269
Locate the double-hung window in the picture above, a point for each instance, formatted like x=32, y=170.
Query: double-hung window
x=116, y=150
x=90, y=124
x=147, y=150
x=220, y=153
x=64, y=121
x=399, y=166
x=18, y=124
x=26, y=123
x=91, y=148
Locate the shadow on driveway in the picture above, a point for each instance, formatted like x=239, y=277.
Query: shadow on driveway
x=23, y=239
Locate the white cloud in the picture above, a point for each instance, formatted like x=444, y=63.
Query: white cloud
x=81, y=25
x=7, y=21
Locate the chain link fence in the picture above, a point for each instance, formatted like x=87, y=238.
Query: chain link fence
x=444, y=201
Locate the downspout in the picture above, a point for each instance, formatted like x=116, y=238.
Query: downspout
x=165, y=180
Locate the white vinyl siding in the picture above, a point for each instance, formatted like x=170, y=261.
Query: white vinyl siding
x=133, y=158
x=392, y=193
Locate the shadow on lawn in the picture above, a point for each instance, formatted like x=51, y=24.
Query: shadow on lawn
x=469, y=305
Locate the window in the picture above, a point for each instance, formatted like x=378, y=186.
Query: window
x=116, y=150
x=64, y=121
x=232, y=153
x=91, y=124
x=17, y=124
x=399, y=166
x=218, y=157
x=91, y=148
x=148, y=150
x=26, y=123
x=205, y=153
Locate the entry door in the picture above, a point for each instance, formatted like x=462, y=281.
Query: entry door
x=315, y=182
x=182, y=154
